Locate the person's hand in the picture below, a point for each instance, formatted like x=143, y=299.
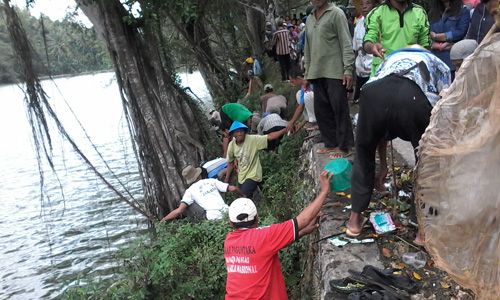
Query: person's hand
x=377, y=50
x=324, y=181
x=347, y=81
x=433, y=36
x=289, y=127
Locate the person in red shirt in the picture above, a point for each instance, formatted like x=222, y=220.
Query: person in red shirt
x=251, y=252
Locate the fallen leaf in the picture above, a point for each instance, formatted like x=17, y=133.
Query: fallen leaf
x=430, y=263
x=416, y=276
x=386, y=252
x=341, y=194
x=445, y=285
x=398, y=266
x=348, y=196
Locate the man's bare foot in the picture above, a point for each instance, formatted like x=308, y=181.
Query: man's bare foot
x=419, y=239
x=355, y=224
x=380, y=179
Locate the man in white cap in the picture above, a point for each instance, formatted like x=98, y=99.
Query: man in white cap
x=251, y=252
x=272, y=103
x=203, y=192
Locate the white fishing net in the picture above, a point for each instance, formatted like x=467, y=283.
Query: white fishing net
x=457, y=186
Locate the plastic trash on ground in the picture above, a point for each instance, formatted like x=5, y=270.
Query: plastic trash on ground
x=415, y=259
x=339, y=241
x=382, y=222
x=458, y=175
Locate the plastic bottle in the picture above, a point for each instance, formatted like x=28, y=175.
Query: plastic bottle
x=415, y=259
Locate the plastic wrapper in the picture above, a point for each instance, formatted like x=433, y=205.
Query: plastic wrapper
x=457, y=183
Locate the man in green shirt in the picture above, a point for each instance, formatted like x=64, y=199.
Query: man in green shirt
x=243, y=154
x=329, y=64
x=393, y=25
x=229, y=113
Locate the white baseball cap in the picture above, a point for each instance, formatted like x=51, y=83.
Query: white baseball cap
x=242, y=210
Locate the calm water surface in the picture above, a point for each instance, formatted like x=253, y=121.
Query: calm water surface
x=46, y=246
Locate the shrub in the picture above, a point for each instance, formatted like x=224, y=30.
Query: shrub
x=185, y=260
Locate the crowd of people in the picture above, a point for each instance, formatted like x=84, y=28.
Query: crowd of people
x=393, y=55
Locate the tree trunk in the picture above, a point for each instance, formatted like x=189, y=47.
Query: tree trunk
x=163, y=121
x=221, y=85
x=255, y=23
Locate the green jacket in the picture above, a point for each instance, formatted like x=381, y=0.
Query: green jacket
x=395, y=30
x=328, y=45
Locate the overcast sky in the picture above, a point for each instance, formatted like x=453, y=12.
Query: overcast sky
x=54, y=9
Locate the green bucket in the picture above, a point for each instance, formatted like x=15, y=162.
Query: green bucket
x=341, y=169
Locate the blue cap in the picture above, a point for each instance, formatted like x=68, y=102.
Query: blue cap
x=237, y=125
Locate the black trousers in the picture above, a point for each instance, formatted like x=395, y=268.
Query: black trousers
x=391, y=107
x=360, y=81
x=272, y=145
x=332, y=113
x=248, y=187
x=284, y=61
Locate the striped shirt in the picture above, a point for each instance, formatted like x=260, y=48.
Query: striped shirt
x=270, y=121
x=281, y=39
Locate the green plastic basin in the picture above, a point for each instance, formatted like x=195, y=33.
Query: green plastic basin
x=341, y=169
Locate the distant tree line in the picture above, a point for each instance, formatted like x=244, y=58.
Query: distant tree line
x=63, y=47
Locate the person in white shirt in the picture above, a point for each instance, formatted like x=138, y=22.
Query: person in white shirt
x=305, y=100
x=363, y=61
x=205, y=193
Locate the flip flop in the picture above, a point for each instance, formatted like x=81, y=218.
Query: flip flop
x=392, y=291
x=419, y=243
x=326, y=150
x=340, y=154
x=399, y=282
x=351, y=233
x=347, y=285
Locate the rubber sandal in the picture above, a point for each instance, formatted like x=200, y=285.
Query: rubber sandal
x=419, y=243
x=351, y=233
x=387, y=277
x=394, y=292
x=326, y=150
x=347, y=285
x=371, y=294
x=340, y=154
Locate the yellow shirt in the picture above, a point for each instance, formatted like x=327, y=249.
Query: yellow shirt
x=247, y=157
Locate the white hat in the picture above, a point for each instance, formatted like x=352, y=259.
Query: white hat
x=268, y=87
x=462, y=49
x=242, y=210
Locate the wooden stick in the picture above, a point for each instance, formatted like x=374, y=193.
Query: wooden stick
x=408, y=243
x=395, y=190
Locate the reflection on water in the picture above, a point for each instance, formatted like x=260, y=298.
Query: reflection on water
x=47, y=246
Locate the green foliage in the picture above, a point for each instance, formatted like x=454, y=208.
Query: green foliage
x=71, y=48
x=185, y=260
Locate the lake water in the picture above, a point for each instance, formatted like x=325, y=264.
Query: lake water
x=46, y=246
